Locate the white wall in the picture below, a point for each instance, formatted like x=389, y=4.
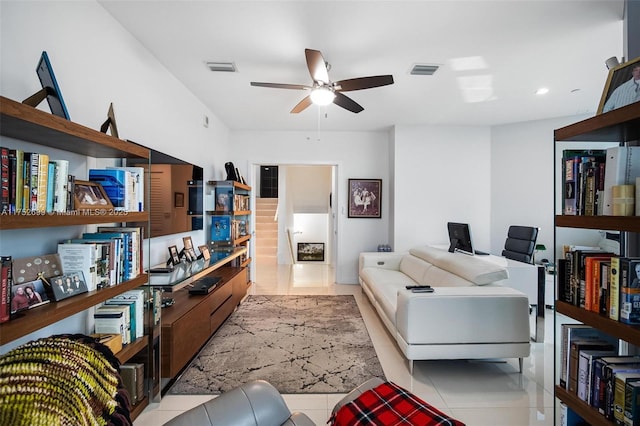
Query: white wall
x=522, y=179
x=441, y=174
x=356, y=155
x=96, y=62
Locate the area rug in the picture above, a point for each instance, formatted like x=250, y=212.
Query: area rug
x=299, y=344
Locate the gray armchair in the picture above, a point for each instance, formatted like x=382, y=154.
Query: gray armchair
x=255, y=403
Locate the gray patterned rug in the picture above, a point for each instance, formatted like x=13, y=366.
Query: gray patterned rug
x=300, y=344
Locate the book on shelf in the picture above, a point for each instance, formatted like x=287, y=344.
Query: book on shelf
x=592, y=283
x=60, y=180
x=602, y=368
x=619, y=393
x=6, y=280
x=137, y=176
x=577, y=346
x=4, y=180
x=119, y=186
x=614, y=289
x=583, y=172
x=629, y=285
x=622, y=167
x=221, y=228
x=224, y=199
x=131, y=318
x=133, y=380
x=605, y=284
x=632, y=404
x=568, y=417
x=586, y=362
x=16, y=165
x=41, y=183
x=111, y=318
x=134, y=246
x=50, y=186
x=570, y=333
x=137, y=296
x=123, y=251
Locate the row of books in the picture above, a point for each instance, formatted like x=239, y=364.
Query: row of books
x=122, y=314
x=31, y=181
x=589, y=176
x=107, y=257
x=592, y=370
x=601, y=282
x=224, y=228
x=227, y=201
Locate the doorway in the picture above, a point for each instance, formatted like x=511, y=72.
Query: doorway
x=302, y=191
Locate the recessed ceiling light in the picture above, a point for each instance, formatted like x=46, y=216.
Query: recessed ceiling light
x=222, y=66
x=542, y=91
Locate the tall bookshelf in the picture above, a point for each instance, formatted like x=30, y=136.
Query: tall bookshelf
x=618, y=127
x=27, y=124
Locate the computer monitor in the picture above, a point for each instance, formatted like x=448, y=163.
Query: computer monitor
x=460, y=237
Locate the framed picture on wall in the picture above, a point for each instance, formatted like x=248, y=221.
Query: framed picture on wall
x=365, y=198
x=310, y=252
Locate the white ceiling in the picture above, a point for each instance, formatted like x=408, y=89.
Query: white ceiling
x=525, y=45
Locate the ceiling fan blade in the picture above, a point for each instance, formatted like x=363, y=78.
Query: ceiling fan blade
x=281, y=85
x=302, y=105
x=347, y=103
x=363, y=83
x=317, y=66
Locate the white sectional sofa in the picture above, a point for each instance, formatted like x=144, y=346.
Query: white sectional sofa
x=470, y=315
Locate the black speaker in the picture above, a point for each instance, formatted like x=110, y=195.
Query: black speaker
x=231, y=171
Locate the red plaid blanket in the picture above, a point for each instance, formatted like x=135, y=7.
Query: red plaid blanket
x=388, y=405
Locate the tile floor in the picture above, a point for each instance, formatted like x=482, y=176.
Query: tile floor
x=477, y=393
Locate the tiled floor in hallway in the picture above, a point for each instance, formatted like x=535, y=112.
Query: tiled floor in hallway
x=477, y=392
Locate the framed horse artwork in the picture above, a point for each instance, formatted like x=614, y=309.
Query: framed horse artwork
x=365, y=198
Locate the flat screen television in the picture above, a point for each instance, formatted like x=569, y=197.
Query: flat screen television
x=460, y=238
x=50, y=84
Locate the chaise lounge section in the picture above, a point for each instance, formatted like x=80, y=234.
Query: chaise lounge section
x=470, y=315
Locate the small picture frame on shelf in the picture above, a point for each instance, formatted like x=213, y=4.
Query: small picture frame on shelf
x=189, y=252
x=68, y=285
x=28, y=295
x=90, y=195
x=174, y=256
x=204, y=252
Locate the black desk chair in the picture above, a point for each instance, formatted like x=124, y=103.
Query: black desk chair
x=519, y=246
x=520, y=243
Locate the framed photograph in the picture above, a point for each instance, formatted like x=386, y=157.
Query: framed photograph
x=311, y=252
x=189, y=252
x=178, y=199
x=68, y=285
x=204, y=252
x=174, y=256
x=365, y=198
x=90, y=195
x=28, y=295
x=622, y=87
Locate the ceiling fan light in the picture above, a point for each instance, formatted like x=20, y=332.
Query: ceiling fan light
x=322, y=96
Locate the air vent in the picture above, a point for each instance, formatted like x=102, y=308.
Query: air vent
x=222, y=66
x=421, y=69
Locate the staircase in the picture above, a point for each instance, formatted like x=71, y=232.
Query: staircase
x=266, y=240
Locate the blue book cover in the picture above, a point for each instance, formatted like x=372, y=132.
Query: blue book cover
x=114, y=183
x=221, y=228
x=50, y=187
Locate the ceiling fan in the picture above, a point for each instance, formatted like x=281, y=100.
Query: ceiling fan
x=323, y=90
